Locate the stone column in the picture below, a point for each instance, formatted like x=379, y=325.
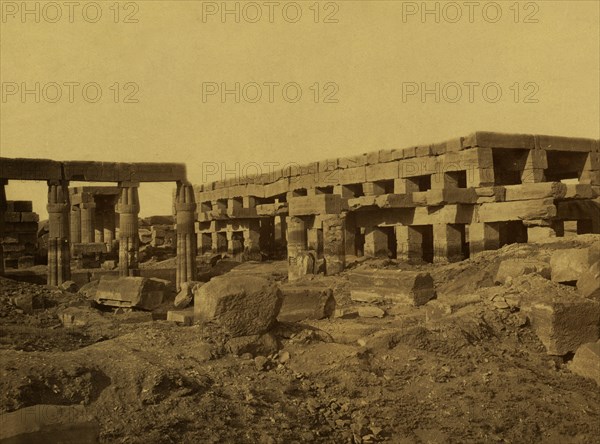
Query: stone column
x=99, y=223
x=409, y=243
x=447, y=243
x=484, y=236
x=376, y=242
x=88, y=211
x=128, y=208
x=230, y=243
x=334, y=248
x=75, y=224
x=185, y=207
x=109, y=228
x=59, y=269
x=296, y=236
x=252, y=240
x=3, y=208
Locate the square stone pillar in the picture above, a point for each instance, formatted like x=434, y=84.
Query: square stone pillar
x=536, y=163
x=409, y=243
x=334, y=248
x=344, y=191
x=376, y=242
x=230, y=243
x=99, y=224
x=350, y=235
x=312, y=239
x=267, y=234
x=405, y=185
x=252, y=240
x=447, y=243
x=59, y=261
x=75, y=224
x=128, y=208
x=372, y=189
x=88, y=213
x=484, y=236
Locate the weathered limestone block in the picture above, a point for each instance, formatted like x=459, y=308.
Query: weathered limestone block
x=406, y=287
x=563, y=325
x=186, y=294
x=450, y=196
x=530, y=191
x=184, y=317
x=586, y=361
x=568, y=265
x=301, y=302
x=588, y=284
x=44, y=423
x=130, y=291
x=518, y=210
x=498, y=140
x=539, y=234
x=318, y=204
x=242, y=305
x=512, y=268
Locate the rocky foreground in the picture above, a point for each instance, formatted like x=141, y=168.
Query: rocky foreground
x=500, y=348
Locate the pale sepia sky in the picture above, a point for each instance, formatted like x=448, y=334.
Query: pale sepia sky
x=365, y=57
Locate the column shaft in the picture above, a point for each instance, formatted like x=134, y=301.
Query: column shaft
x=185, y=208
x=59, y=269
x=129, y=241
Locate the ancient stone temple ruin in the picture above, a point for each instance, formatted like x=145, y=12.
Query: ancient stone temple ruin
x=434, y=203
x=84, y=217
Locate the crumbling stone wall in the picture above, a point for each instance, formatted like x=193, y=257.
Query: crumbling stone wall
x=438, y=202
x=19, y=236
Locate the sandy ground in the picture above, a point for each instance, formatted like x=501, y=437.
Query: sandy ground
x=479, y=375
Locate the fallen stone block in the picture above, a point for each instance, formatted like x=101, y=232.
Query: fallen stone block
x=445, y=306
x=80, y=317
x=370, y=311
x=49, y=423
x=512, y=268
x=306, y=302
x=242, y=305
x=586, y=361
x=69, y=286
x=186, y=294
x=185, y=317
x=568, y=265
x=24, y=302
x=563, y=325
x=588, y=284
x=408, y=287
x=257, y=345
x=143, y=293
x=89, y=290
